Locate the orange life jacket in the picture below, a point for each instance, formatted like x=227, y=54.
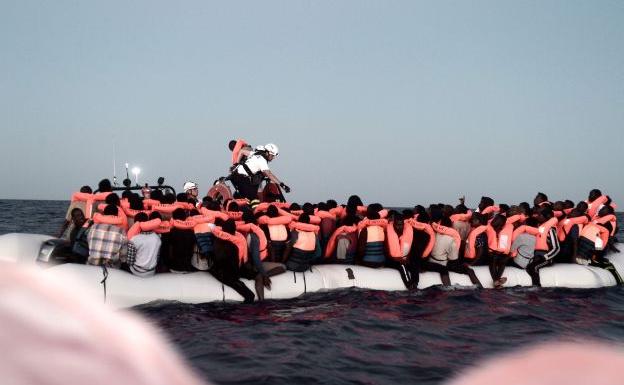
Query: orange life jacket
x=399, y=247
x=607, y=218
x=593, y=207
x=564, y=226
x=116, y=220
x=372, y=222
x=490, y=210
x=90, y=200
x=139, y=227
x=471, y=250
x=306, y=235
x=443, y=230
x=501, y=242
x=541, y=241
x=427, y=229
x=597, y=234
x=215, y=214
x=183, y=225
x=276, y=226
x=461, y=217
x=247, y=228
x=236, y=151
x=236, y=215
x=331, y=244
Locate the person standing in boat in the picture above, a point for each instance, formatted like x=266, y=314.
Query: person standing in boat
x=247, y=176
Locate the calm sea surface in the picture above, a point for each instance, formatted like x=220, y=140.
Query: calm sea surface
x=361, y=336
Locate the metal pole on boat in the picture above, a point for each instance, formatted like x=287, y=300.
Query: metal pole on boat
x=127, y=175
x=114, y=167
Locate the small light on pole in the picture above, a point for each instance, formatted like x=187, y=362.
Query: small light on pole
x=136, y=171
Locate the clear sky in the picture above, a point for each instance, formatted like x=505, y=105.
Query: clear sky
x=402, y=102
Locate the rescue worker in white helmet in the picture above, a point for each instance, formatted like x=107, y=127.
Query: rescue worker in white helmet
x=247, y=176
x=192, y=190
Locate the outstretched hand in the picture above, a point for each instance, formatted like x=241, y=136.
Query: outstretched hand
x=286, y=188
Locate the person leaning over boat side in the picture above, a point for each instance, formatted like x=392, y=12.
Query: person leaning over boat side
x=76, y=204
x=107, y=242
x=143, y=250
x=589, y=248
x=247, y=176
x=226, y=266
x=546, y=244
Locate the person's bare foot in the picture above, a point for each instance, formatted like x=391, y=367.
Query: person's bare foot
x=498, y=284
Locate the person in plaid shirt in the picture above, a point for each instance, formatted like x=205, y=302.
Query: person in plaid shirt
x=107, y=243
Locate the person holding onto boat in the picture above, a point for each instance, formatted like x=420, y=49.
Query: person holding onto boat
x=248, y=175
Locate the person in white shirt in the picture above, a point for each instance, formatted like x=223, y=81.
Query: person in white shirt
x=143, y=251
x=247, y=176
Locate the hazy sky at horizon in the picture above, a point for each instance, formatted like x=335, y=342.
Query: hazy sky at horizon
x=401, y=102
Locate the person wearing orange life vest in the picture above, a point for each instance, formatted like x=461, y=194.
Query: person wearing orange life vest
x=342, y=245
x=179, y=245
x=241, y=150
x=76, y=204
x=143, y=248
x=569, y=229
x=433, y=215
x=106, y=239
x=546, y=245
x=499, y=244
x=257, y=245
x=276, y=229
x=606, y=218
x=399, y=240
x=248, y=176
x=303, y=248
x=590, y=247
x=540, y=201
x=226, y=266
x=371, y=239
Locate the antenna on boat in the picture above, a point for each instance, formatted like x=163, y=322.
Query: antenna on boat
x=114, y=167
x=127, y=175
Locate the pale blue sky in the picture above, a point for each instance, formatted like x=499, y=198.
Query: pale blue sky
x=402, y=102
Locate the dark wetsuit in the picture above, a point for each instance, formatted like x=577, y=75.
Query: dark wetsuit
x=226, y=269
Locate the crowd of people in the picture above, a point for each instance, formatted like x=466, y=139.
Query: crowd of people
x=158, y=232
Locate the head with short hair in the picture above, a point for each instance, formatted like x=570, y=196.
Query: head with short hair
x=155, y=215
x=478, y=219
x=112, y=199
x=111, y=209
x=498, y=222
x=544, y=214
x=540, y=198
x=332, y=204
x=583, y=206
x=229, y=226
x=232, y=144
x=485, y=203
x=105, y=185
x=354, y=201
x=141, y=217
x=593, y=195
x=182, y=197
x=179, y=214
x=86, y=189
x=308, y=208
x=304, y=218
x=272, y=211
x=248, y=216
x=232, y=206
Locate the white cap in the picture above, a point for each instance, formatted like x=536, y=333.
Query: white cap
x=272, y=149
x=189, y=186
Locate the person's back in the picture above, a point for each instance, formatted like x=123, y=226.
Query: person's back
x=107, y=242
x=444, y=249
x=143, y=251
x=181, y=243
x=523, y=247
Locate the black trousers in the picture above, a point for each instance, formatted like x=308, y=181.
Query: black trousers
x=244, y=186
x=533, y=267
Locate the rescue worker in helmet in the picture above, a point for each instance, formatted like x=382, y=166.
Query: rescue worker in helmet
x=192, y=190
x=248, y=176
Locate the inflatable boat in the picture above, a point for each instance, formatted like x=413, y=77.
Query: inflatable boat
x=122, y=289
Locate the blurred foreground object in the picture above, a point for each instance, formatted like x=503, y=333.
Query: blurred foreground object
x=52, y=334
x=553, y=364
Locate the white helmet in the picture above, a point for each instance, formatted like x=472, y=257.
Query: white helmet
x=189, y=186
x=272, y=149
